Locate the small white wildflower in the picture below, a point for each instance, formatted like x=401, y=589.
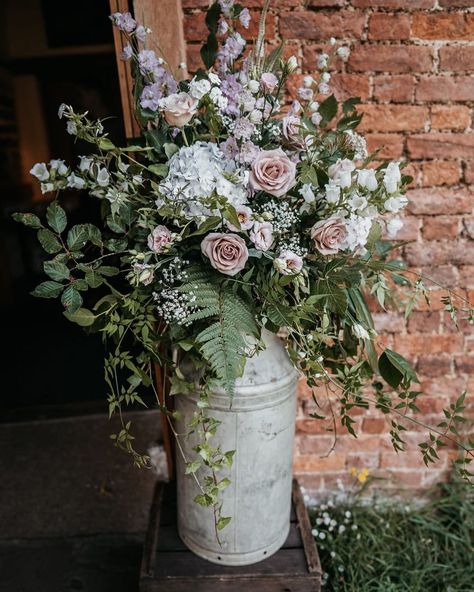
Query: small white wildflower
x=396, y=203
x=47, y=187
x=103, y=177
x=199, y=88
x=325, y=77
x=343, y=52
x=40, y=171
x=85, y=163
x=322, y=535
x=333, y=554
x=323, y=60
x=316, y=118
x=307, y=193
x=292, y=64
x=62, y=108
x=75, y=182
x=332, y=41
x=347, y=513
x=324, y=88
x=71, y=128
x=58, y=165
x=393, y=226
x=342, y=528
x=315, y=532
x=308, y=81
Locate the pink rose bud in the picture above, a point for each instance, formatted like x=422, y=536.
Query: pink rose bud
x=227, y=253
x=268, y=82
x=159, y=239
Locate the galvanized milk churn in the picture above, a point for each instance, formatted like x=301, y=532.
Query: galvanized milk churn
x=260, y=426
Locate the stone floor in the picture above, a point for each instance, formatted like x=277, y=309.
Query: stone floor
x=73, y=508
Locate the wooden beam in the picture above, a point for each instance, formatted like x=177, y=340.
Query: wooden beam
x=132, y=129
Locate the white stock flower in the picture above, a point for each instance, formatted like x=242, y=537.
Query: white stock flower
x=40, y=171
x=58, y=165
x=307, y=193
x=396, y=203
x=341, y=172
x=366, y=178
x=199, y=88
x=333, y=193
x=103, y=177
x=392, y=177
x=393, y=227
x=75, y=182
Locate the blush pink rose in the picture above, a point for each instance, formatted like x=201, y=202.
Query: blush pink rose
x=329, y=235
x=273, y=172
x=262, y=235
x=159, y=239
x=227, y=253
x=268, y=82
x=179, y=108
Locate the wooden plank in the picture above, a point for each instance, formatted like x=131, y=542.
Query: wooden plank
x=132, y=129
x=287, y=583
x=312, y=557
x=151, y=538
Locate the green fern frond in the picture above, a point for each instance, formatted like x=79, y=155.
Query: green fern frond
x=222, y=343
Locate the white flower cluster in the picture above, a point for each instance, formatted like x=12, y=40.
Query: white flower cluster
x=282, y=216
x=198, y=172
x=174, y=306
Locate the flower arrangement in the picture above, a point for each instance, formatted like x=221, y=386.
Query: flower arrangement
x=231, y=213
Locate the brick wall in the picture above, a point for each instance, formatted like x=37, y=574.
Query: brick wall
x=412, y=63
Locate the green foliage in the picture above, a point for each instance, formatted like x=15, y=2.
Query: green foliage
x=394, y=369
x=222, y=343
x=398, y=548
x=209, y=49
x=29, y=220
x=328, y=110
x=56, y=217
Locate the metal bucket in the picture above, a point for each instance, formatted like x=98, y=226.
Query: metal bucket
x=260, y=426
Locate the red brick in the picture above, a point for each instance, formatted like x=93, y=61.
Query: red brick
x=454, y=25
x=440, y=253
x=469, y=226
x=196, y=29
x=434, y=365
x=320, y=25
x=314, y=426
x=350, y=85
x=318, y=445
x=440, y=227
x=193, y=57
x=445, y=88
x=394, y=89
x=410, y=229
x=438, y=145
x=450, y=117
x=440, y=201
x=388, y=322
x=326, y=3
x=469, y=172
x=464, y=364
x=458, y=58
x=424, y=322
x=455, y=3
x=408, y=459
x=391, y=58
x=311, y=55
x=363, y=460
x=466, y=276
x=440, y=172
x=393, y=118
x=444, y=275
x=391, y=144
x=424, y=344
x=311, y=463
x=389, y=26
x=374, y=425
x=403, y=4
x=442, y=389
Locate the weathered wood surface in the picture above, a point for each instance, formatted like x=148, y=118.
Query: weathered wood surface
x=168, y=566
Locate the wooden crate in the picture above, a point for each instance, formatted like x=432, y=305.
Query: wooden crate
x=168, y=566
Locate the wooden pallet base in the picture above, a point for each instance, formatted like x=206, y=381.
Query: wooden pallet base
x=168, y=566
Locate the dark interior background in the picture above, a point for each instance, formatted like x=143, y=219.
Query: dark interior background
x=64, y=51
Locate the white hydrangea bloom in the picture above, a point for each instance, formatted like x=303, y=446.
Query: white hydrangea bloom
x=358, y=228
x=196, y=172
x=199, y=88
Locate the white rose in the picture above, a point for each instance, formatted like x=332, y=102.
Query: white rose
x=199, y=88
x=40, y=171
x=179, y=108
x=256, y=116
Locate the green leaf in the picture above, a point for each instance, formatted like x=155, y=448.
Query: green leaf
x=94, y=279
x=349, y=106
x=328, y=109
x=56, y=270
x=106, y=144
x=48, y=289
x=49, y=241
x=78, y=236
x=394, y=368
x=29, y=220
x=223, y=522
x=94, y=234
x=331, y=296
x=192, y=467
x=170, y=149
x=56, y=217
x=108, y=270
x=71, y=299
x=209, y=50
x=161, y=170
x=82, y=317
x=209, y=224
x=374, y=236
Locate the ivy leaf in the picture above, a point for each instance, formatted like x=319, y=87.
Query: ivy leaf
x=49, y=241
x=77, y=236
x=82, y=317
x=328, y=109
x=223, y=522
x=71, y=299
x=56, y=217
x=56, y=270
x=48, y=289
x=29, y=220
